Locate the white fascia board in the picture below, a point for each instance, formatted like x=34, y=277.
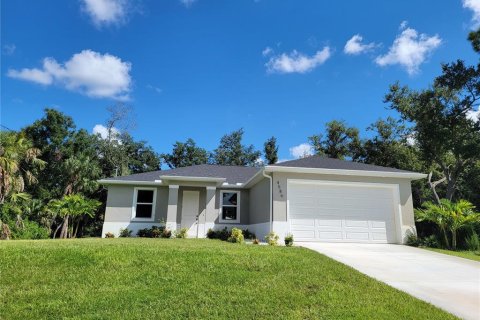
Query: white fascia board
x=188, y=178
x=343, y=172
x=129, y=182
x=253, y=180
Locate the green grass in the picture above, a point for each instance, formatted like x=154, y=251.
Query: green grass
x=462, y=254
x=189, y=279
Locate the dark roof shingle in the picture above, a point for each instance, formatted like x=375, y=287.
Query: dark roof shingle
x=330, y=163
x=232, y=174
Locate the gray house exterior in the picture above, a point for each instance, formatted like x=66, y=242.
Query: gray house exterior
x=314, y=198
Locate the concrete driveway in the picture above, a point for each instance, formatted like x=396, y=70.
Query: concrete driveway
x=447, y=282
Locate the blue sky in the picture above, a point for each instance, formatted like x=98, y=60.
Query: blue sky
x=203, y=68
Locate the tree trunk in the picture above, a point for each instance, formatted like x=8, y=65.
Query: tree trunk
x=64, y=232
x=454, y=239
x=56, y=230
x=445, y=236
x=434, y=184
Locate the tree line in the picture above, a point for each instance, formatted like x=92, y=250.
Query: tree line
x=49, y=169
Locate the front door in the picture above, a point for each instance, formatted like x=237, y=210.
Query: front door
x=190, y=210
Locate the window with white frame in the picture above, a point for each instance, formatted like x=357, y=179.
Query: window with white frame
x=230, y=206
x=144, y=203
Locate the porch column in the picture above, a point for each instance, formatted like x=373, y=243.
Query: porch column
x=210, y=213
x=172, y=207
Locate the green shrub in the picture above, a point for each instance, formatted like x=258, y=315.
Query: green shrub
x=236, y=236
x=431, y=241
x=109, y=235
x=223, y=234
x=289, y=240
x=29, y=230
x=166, y=233
x=272, y=238
x=248, y=234
x=154, y=232
x=412, y=240
x=473, y=242
x=182, y=233
x=125, y=233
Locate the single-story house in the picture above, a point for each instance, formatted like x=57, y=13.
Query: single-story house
x=313, y=198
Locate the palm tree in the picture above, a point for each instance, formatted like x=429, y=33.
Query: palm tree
x=449, y=216
x=17, y=159
x=71, y=206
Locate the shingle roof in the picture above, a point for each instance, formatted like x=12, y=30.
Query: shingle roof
x=232, y=174
x=329, y=163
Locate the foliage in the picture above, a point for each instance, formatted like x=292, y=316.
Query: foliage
x=339, y=142
x=255, y=241
x=270, y=148
x=474, y=38
x=272, y=238
x=181, y=234
x=236, y=236
x=125, y=233
x=412, y=240
x=218, y=234
x=443, y=133
x=185, y=154
x=231, y=151
x=154, y=232
x=109, y=235
x=114, y=280
x=289, y=240
x=449, y=216
x=19, y=164
x=74, y=207
x=248, y=234
x=29, y=230
x=473, y=242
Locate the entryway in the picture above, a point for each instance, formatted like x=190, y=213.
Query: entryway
x=190, y=211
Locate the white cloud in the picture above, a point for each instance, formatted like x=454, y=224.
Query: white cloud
x=410, y=49
x=188, y=3
x=403, y=25
x=296, y=62
x=267, y=51
x=34, y=75
x=103, y=132
x=90, y=73
x=474, y=115
x=355, y=46
x=301, y=151
x=473, y=5
x=106, y=12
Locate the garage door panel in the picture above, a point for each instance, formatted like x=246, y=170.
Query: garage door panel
x=352, y=213
x=330, y=235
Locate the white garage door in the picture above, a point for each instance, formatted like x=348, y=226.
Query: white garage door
x=341, y=212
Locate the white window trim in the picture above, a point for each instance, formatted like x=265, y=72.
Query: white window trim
x=220, y=217
x=134, y=204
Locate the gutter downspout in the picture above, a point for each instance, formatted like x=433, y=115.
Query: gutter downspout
x=271, y=198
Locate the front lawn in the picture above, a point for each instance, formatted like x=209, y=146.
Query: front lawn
x=189, y=279
x=462, y=254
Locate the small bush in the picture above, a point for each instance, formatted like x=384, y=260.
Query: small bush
x=256, y=241
x=143, y=233
x=412, y=240
x=30, y=230
x=430, y=241
x=109, y=235
x=156, y=232
x=166, y=233
x=248, y=234
x=125, y=233
x=182, y=233
x=272, y=238
x=236, y=236
x=473, y=242
x=289, y=240
x=223, y=234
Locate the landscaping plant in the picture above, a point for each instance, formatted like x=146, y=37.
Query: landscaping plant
x=236, y=236
x=272, y=238
x=181, y=234
x=289, y=240
x=125, y=233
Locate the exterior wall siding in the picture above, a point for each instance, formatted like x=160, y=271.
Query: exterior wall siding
x=260, y=202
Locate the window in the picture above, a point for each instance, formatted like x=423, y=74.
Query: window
x=230, y=206
x=144, y=204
